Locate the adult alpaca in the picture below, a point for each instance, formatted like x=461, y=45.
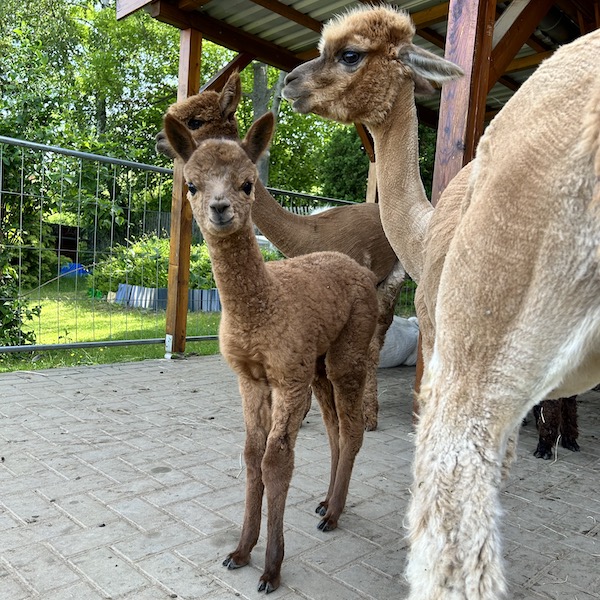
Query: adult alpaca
x=485, y=272
x=354, y=230
x=285, y=325
x=520, y=283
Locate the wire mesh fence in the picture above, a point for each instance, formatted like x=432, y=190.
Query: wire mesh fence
x=85, y=249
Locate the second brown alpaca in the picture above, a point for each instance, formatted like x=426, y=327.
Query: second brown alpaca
x=285, y=326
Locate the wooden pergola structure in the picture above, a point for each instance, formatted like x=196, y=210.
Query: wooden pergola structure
x=497, y=43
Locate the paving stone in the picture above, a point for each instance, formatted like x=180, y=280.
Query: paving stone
x=139, y=466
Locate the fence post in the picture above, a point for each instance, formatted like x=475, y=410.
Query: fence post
x=190, y=50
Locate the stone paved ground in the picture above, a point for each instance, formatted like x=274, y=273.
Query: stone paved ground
x=126, y=481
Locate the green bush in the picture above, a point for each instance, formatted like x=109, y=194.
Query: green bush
x=145, y=262
x=14, y=313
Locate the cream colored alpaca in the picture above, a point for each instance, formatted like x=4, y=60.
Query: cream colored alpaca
x=354, y=230
x=368, y=72
x=528, y=229
x=285, y=326
x=520, y=287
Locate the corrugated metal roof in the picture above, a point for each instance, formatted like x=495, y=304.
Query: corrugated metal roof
x=286, y=32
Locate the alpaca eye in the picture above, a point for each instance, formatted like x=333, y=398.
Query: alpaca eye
x=247, y=188
x=195, y=123
x=350, y=57
x=192, y=188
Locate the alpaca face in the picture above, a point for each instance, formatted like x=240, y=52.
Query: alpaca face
x=358, y=75
x=220, y=179
x=206, y=115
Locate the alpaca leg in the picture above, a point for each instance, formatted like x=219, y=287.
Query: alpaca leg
x=324, y=393
x=547, y=418
x=569, y=430
x=511, y=453
x=257, y=416
x=387, y=293
x=277, y=468
x=454, y=511
x=348, y=388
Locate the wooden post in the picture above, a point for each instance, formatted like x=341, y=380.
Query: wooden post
x=181, y=212
x=462, y=107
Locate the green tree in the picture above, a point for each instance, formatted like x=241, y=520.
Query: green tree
x=345, y=166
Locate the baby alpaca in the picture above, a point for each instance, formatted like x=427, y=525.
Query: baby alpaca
x=285, y=326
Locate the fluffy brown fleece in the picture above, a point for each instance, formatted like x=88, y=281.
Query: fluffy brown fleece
x=354, y=230
x=285, y=326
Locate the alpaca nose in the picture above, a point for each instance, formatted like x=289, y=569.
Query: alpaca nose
x=290, y=77
x=219, y=205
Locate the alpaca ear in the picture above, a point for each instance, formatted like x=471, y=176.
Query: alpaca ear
x=230, y=95
x=259, y=136
x=179, y=137
x=428, y=68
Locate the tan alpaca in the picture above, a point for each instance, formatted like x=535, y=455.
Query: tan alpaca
x=508, y=274
x=285, y=326
x=354, y=230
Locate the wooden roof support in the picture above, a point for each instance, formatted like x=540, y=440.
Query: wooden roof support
x=290, y=13
x=462, y=107
x=515, y=36
x=239, y=63
x=190, y=51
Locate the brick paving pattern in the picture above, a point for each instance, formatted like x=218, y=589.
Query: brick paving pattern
x=127, y=481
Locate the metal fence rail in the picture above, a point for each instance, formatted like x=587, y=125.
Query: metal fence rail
x=77, y=227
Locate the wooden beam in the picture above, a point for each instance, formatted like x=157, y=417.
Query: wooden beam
x=527, y=62
x=430, y=16
x=190, y=51
x=239, y=63
x=291, y=14
x=462, y=106
x=126, y=7
x=191, y=4
x=367, y=140
x=225, y=35
x=515, y=36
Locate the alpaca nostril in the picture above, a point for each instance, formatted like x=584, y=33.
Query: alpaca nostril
x=290, y=77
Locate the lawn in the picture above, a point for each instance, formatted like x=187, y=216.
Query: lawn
x=69, y=313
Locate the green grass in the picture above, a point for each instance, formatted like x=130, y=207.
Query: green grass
x=70, y=314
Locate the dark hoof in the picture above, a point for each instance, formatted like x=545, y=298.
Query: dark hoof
x=570, y=445
x=543, y=452
x=267, y=586
x=326, y=525
x=321, y=509
x=230, y=563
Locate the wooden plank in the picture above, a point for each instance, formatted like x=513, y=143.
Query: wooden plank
x=430, y=16
x=291, y=14
x=225, y=35
x=190, y=50
x=515, y=37
x=239, y=63
x=462, y=106
x=527, y=62
x=126, y=7
x=191, y=4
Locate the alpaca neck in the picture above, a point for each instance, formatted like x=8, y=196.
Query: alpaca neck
x=239, y=271
x=404, y=207
x=290, y=233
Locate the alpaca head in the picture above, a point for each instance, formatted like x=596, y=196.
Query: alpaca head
x=367, y=57
x=206, y=115
x=220, y=174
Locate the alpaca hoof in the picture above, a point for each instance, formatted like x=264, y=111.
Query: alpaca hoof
x=321, y=509
x=268, y=585
x=543, y=452
x=570, y=445
x=326, y=525
x=230, y=563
